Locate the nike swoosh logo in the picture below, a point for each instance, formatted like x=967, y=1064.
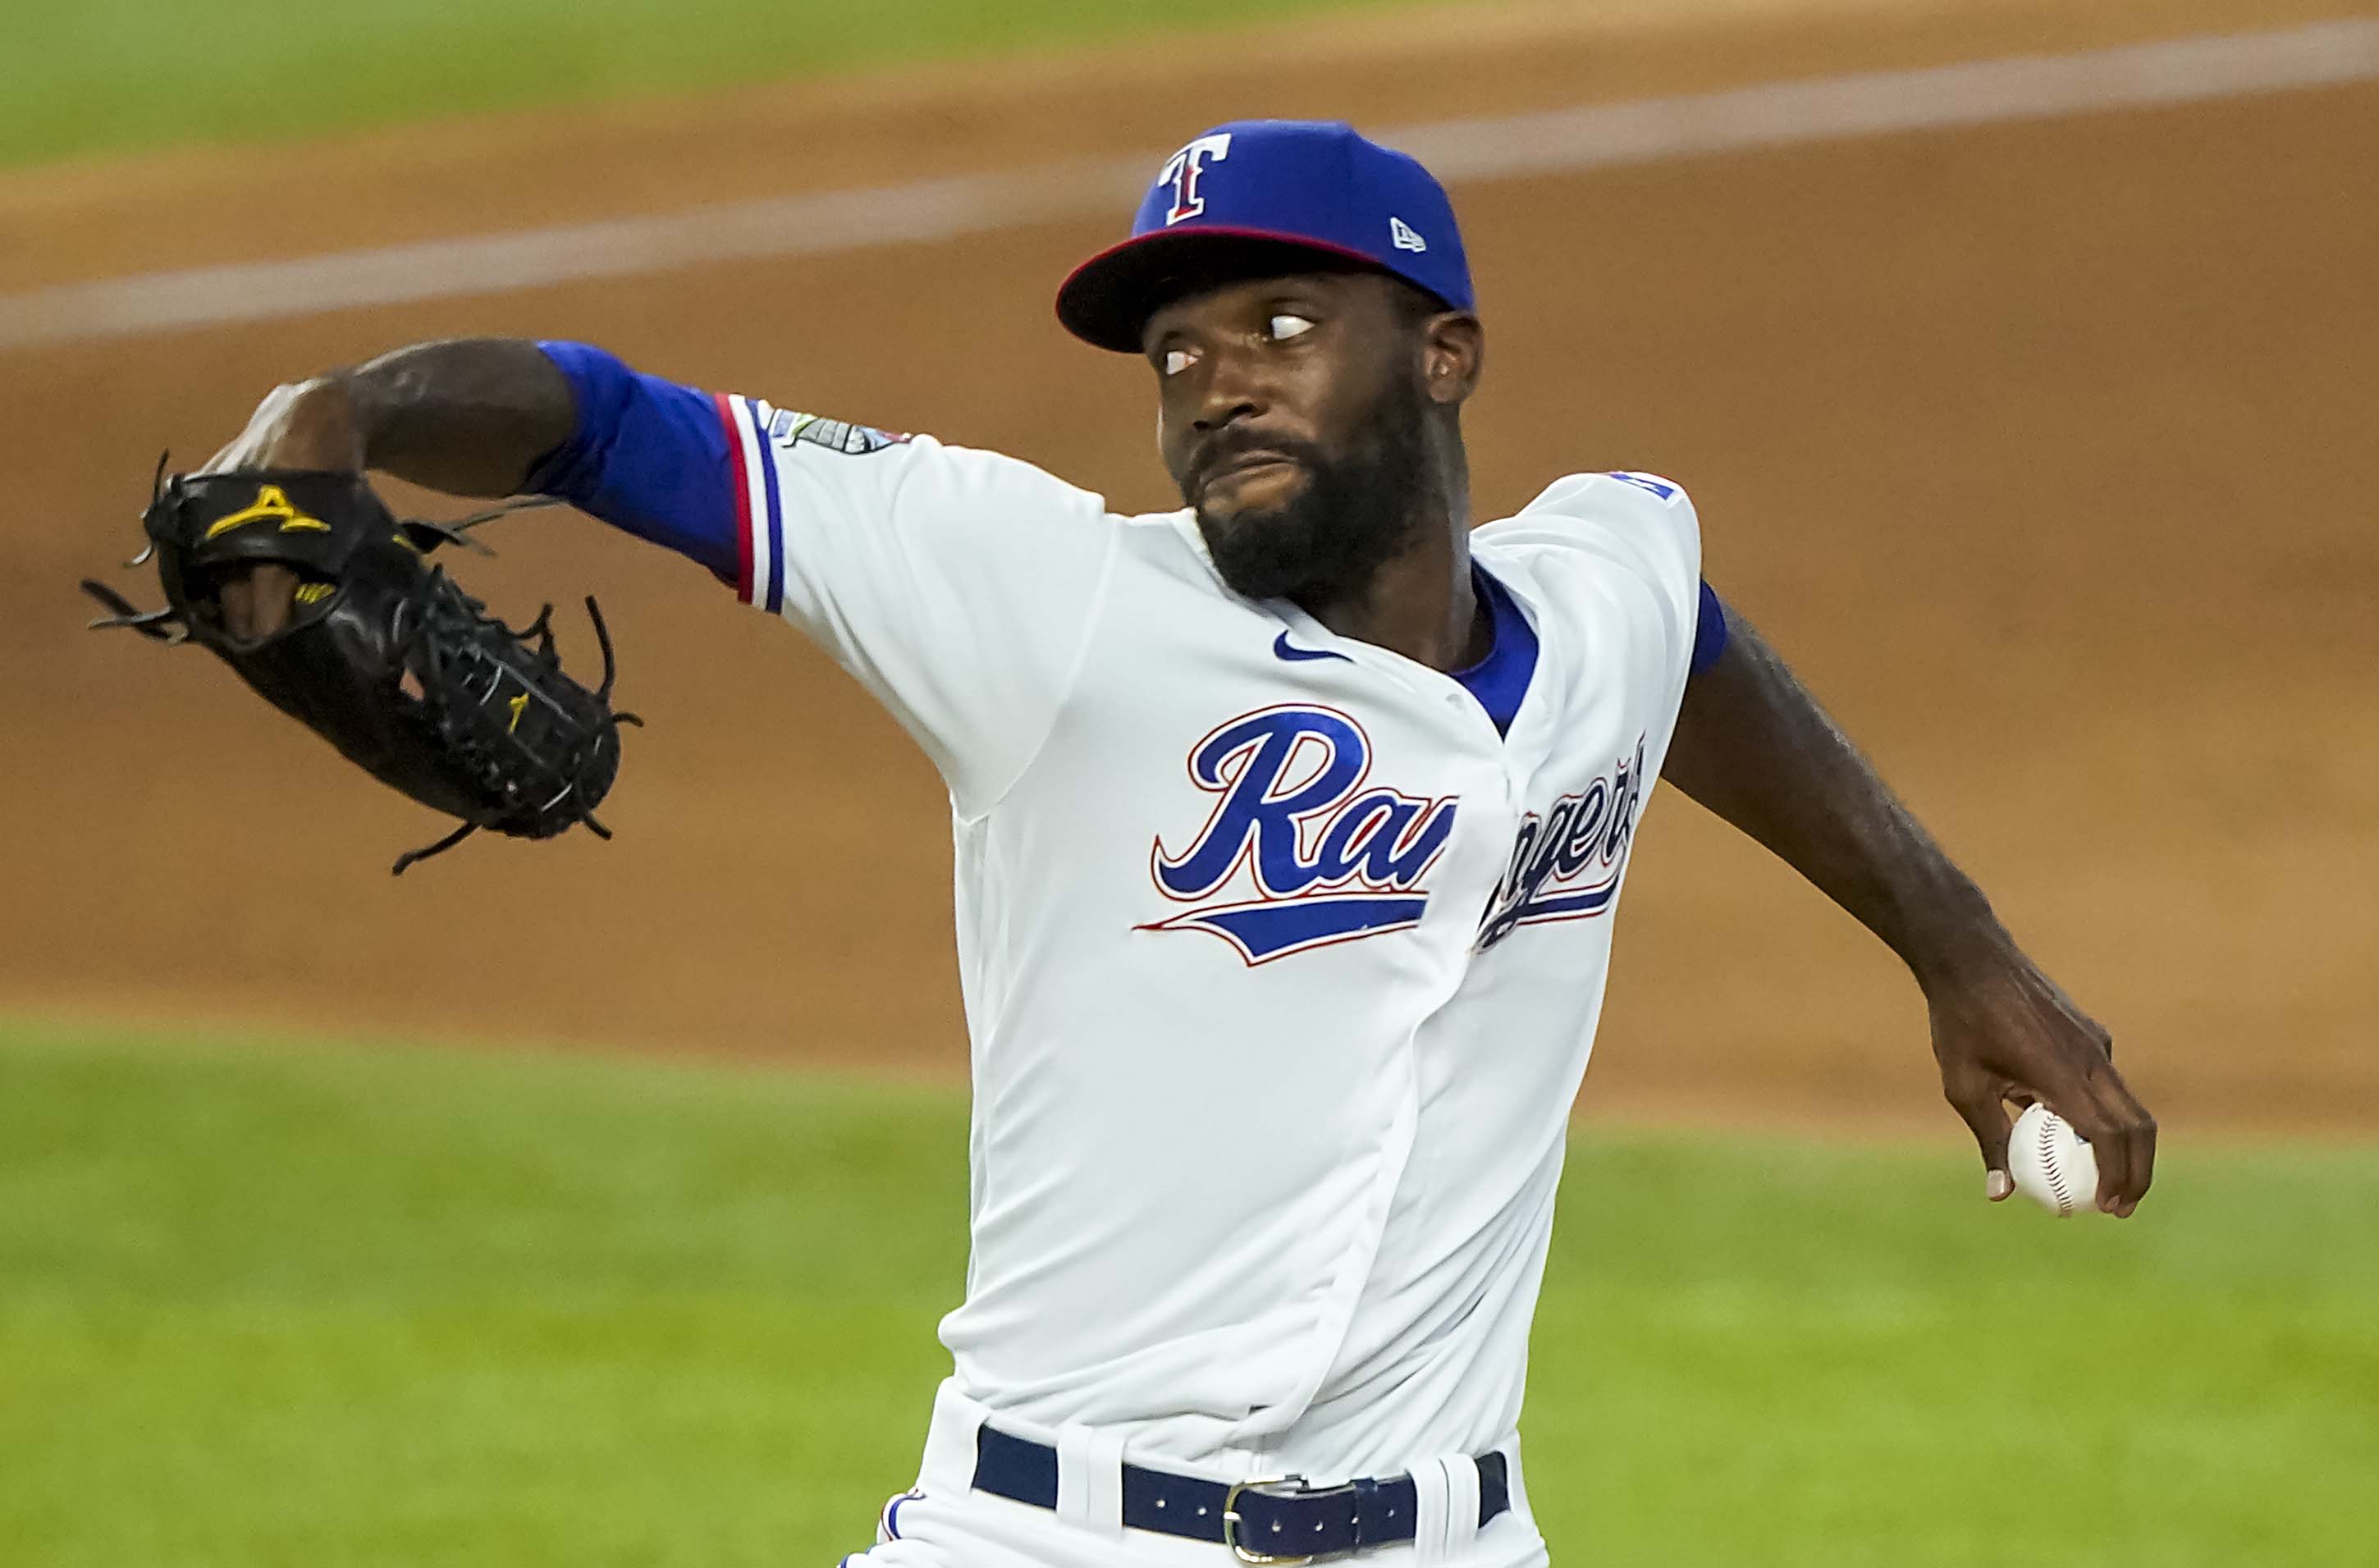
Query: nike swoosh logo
x=1280, y=646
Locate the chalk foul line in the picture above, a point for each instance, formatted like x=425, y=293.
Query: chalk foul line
x=1644, y=131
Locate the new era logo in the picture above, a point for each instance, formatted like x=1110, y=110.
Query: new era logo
x=1402, y=233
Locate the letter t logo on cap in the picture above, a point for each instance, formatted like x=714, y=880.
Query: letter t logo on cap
x=1184, y=170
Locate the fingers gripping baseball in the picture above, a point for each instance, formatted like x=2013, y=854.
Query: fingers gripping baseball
x=2015, y=1038
x=1980, y=1103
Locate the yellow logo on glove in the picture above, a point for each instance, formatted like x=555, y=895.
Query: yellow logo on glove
x=269, y=503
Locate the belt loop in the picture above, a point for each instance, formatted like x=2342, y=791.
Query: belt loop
x=1090, y=1479
x=1445, y=1493
x=1461, y=1505
x=1429, y=1514
x=947, y=1469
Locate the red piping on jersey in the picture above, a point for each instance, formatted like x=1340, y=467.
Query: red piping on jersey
x=743, y=585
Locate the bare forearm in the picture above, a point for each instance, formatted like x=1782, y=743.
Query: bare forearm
x=1753, y=747
x=470, y=417
x=467, y=416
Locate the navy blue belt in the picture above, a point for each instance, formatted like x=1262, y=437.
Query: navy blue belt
x=1275, y=1521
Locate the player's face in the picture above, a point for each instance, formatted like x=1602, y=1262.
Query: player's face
x=1292, y=415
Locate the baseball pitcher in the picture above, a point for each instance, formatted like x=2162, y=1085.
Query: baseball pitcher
x=1289, y=827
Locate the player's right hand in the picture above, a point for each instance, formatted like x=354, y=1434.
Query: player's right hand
x=2007, y=1034
x=301, y=425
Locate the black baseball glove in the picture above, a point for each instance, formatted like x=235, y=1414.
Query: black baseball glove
x=383, y=655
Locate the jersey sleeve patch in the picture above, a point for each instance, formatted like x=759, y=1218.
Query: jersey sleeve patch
x=836, y=435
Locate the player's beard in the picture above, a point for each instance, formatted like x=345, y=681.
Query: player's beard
x=1355, y=512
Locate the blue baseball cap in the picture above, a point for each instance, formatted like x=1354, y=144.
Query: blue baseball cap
x=1257, y=198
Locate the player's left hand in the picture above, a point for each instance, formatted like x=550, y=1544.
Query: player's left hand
x=2007, y=1034
x=305, y=424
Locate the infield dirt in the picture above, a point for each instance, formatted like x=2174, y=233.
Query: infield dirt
x=2046, y=451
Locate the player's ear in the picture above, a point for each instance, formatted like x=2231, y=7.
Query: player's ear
x=1454, y=352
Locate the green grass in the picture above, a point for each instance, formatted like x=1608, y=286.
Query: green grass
x=78, y=76
x=262, y=1304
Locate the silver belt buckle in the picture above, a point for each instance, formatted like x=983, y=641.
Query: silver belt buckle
x=1264, y=1486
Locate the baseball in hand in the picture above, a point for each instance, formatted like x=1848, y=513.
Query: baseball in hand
x=2052, y=1164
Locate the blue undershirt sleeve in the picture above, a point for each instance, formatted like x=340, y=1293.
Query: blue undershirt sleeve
x=1710, y=633
x=648, y=456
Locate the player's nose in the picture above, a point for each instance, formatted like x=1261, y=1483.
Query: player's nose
x=1234, y=391
x=1218, y=413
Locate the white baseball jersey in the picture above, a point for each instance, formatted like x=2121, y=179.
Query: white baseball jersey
x=1281, y=964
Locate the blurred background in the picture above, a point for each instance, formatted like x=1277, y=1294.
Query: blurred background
x=593, y=1204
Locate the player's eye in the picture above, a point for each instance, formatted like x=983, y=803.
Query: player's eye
x=1286, y=326
x=1176, y=360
